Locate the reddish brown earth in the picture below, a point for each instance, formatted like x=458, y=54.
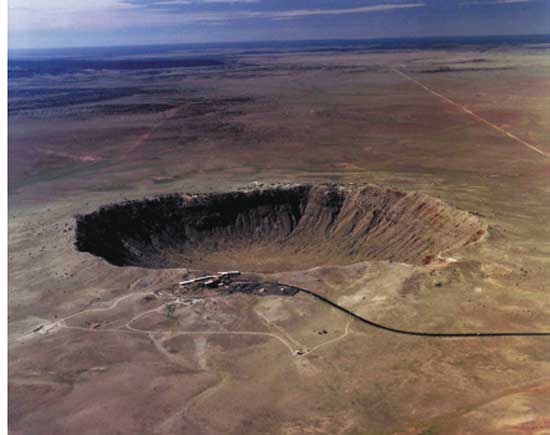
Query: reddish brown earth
x=96, y=348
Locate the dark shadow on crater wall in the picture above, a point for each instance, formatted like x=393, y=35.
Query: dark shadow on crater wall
x=319, y=224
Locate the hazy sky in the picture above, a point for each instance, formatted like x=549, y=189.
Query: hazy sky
x=59, y=23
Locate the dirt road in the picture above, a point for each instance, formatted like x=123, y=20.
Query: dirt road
x=473, y=114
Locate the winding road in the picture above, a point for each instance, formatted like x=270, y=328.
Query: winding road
x=421, y=333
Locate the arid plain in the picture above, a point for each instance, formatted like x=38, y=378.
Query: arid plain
x=96, y=348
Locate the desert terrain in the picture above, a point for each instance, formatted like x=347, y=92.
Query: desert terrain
x=443, y=152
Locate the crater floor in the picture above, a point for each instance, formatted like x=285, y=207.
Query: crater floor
x=278, y=228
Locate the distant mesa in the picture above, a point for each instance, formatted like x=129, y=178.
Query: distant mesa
x=276, y=228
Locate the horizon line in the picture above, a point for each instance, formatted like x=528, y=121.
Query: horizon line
x=270, y=41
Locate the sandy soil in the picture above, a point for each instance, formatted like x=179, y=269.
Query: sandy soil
x=90, y=353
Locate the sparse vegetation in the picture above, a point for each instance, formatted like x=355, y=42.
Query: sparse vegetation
x=170, y=310
x=284, y=118
x=429, y=431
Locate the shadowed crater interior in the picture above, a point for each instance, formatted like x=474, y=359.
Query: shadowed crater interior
x=288, y=227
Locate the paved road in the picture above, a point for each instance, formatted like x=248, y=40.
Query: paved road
x=420, y=333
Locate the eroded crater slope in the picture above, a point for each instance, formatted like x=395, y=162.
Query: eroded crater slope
x=277, y=228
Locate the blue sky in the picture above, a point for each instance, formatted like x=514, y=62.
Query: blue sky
x=59, y=23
